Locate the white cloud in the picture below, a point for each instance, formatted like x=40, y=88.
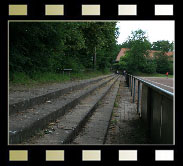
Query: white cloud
x=155, y=30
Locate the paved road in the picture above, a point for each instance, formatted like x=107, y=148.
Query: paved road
x=162, y=82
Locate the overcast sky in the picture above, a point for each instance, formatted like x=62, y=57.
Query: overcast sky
x=155, y=30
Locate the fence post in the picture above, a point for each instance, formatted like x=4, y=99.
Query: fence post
x=131, y=84
x=134, y=90
x=127, y=79
x=138, y=101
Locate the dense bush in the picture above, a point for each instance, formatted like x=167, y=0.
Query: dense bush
x=53, y=46
x=162, y=63
x=170, y=67
x=149, y=67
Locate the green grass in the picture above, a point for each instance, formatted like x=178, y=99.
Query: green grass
x=114, y=121
x=21, y=78
x=152, y=75
x=115, y=104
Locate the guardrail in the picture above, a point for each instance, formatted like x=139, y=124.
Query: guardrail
x=155, y=107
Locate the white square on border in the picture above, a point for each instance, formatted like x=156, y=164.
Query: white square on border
x=163, y=10
x=164, y=155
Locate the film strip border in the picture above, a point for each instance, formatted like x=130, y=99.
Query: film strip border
x=19, y=156
x=90, y=9
x=91, y=155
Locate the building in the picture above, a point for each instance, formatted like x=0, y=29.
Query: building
x=151, y=53
x=121, y=53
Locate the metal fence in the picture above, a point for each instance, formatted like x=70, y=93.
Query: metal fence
x=155, y=107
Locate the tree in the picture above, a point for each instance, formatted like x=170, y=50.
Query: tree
x=52, y=46
x=162, y=62
x=162, y=45
x=135, y=58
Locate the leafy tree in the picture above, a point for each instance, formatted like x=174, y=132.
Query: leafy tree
x=53, y=46
x=135, y=58
x=162, y=62
x=170, y=67
x=162, y=45
x=149, y=66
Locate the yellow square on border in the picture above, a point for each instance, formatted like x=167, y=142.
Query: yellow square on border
x=90, y=10
x=54, y=155
x=57, y=10
x=17, y=10
x=18, y=155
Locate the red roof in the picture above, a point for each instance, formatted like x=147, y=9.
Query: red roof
x=151, y=53
x=122, y=53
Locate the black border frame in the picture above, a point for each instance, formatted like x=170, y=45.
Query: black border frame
x=73, y=154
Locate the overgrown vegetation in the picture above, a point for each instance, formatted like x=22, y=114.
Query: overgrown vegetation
x=21, y=78
x=37, y=48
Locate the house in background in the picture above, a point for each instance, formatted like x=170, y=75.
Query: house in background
x=151, y=54
x=121, y=53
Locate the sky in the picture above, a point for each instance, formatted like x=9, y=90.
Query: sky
x=155, y=30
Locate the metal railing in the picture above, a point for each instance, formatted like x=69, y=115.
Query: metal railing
x=155, y=106
x=131, y=82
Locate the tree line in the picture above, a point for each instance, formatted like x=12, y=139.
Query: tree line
x=53, y=46
x=137, y=58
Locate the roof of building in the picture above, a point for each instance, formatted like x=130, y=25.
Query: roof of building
x=151, y=53
x=121, y=53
